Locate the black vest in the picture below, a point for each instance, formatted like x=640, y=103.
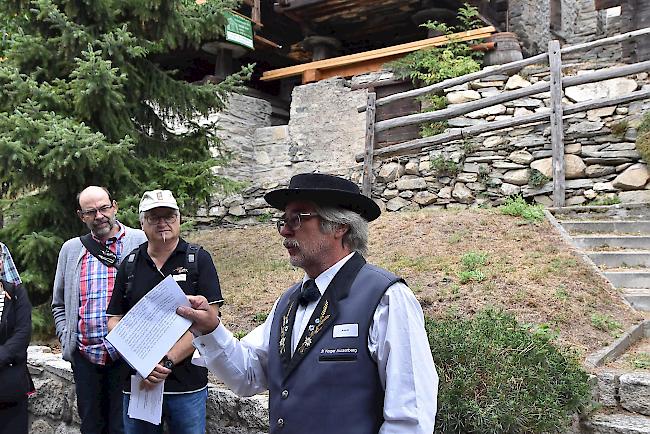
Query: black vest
x=331, y=384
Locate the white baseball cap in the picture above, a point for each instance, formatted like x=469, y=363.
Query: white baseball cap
x=156, y=199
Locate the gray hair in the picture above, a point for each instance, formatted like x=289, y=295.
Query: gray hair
x=356, y=238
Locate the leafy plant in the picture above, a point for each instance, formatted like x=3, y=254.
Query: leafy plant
x=498, y=376
x=611, y=200
x=466, y=276
x=471, y=263
x=620, y=128
x=641, y=361
x=445, y=166
x=537, y=179
x=605, y=323
x=433, y=128
x=643, y=137
x=260, y=317
x=517, y=206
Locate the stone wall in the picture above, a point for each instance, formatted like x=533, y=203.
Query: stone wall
x=326, y=132
x=54, y=408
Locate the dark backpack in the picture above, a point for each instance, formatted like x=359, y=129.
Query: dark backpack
x=191, y=264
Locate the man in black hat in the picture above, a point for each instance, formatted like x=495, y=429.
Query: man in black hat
x=343, y=351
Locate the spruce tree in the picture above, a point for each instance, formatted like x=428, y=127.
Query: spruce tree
x=85, y=100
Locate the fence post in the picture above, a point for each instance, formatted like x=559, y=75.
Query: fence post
x=366, y=188
x=557, y=127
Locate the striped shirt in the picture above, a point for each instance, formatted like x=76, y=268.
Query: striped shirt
x=9, y=271
x=96, y=282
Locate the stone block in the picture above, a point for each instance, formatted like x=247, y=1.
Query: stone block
x=396, y=204
x=597, y=171
x=509, y=189
x=517, y=177
x=604, y=89
x=424, y=198
x=633, y=178
x=634, y=196
x=573, y=165
x=516, y=82
x=463, y=96
x=634, y=392
x=521, y=157
x=411, y=184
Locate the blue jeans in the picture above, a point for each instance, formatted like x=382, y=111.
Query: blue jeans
x=184, y=413
x=98, y=390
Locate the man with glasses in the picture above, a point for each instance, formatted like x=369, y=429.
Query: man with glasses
x=83, y=285
x=166, y=253
x=345, y=349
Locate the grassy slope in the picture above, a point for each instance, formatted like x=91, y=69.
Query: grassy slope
x=529, y=271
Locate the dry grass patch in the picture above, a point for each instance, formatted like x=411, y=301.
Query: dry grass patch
x=527, y=270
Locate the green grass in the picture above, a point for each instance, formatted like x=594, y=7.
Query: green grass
x=605, y=323
x=517, y=207
x=641, y=361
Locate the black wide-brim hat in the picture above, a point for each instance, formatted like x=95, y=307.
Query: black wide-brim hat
x=324, y=190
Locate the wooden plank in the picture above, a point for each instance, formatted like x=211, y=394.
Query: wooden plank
x=310, y=76
x=512, y=66
x=557, y=126
x=370, y=145
x=606, y=4
x=460, y=133
x=373, y=54
x=461, y=109
x=354, y=69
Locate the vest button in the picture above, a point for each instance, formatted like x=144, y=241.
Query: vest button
x=285, y=394
x=280, y=423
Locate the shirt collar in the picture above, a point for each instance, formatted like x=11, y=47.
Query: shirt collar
x=325, y=278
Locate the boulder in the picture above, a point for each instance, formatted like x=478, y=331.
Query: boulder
x=633, y=178
x=424, y=198
x=521, y=157
x=517, y=177
x=463, y=96
x=396, y=204
x=389, y=193
x=412, y=168
x=444, y=193
x=603, y=89
x=516, y=82
x=390, y=172
x=634, y=391
x=462, y=194
x=509, y=189
x=411, y=184
x=574, y=167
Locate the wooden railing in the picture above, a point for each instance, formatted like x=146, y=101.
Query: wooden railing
x=554, y=115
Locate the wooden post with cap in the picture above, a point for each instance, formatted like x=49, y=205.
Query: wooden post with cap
x=366, y=187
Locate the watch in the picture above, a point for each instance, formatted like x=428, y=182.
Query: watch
x=167, y=362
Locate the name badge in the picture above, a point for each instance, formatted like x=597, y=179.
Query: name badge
x=346, y=331
x=179, y=277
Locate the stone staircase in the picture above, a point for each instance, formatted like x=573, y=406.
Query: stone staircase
x=617, y=240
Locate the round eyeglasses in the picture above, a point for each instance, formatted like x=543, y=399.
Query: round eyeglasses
x=294, y=222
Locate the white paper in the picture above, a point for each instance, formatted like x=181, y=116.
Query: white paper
x=149, y=330
x=146, y=404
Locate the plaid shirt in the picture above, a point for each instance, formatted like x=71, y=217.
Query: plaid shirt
x=9, y=271
x=96, y=282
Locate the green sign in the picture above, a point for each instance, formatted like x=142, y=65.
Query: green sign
x=239, y=30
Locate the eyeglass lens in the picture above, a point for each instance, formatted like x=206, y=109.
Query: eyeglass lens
x=154, y=219
x=93, y=212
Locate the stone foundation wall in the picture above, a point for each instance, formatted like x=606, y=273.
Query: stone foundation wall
x=602, y=163
x=54, y=408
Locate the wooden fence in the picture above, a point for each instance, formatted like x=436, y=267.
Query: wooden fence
x=555, y=85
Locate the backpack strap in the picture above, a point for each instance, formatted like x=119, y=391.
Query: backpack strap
x=131, y=260
x=103, y=254
x=192, y=265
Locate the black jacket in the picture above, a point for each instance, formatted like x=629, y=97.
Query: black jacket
x=15, y=325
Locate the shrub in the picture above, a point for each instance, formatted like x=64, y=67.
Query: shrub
x=643, y=137
x=537, y=179
x=499, y=376
x=445, y=166
x=517, y=206
x=620, y=128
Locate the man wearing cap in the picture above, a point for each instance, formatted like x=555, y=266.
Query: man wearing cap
x=164, y=254
x=83, y=286
x=343, y=351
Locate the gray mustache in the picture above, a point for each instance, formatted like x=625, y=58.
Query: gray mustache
x=290, y=243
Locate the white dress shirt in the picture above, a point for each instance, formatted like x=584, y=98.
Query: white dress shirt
x=397, y=341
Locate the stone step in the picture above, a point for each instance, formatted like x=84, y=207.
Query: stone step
x=639, y=298
x=629, y=279
x=640, y=258
x=610, y=240
x=618, y=424
x=591, y=226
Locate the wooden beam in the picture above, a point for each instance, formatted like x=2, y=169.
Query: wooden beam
x=366, y=187
x=373, y=54
x=265, y=41
x=557, y=127
x=353, y=69
x=606, y=4
x=463, y=133
x=512, y=66
x=542, y=86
